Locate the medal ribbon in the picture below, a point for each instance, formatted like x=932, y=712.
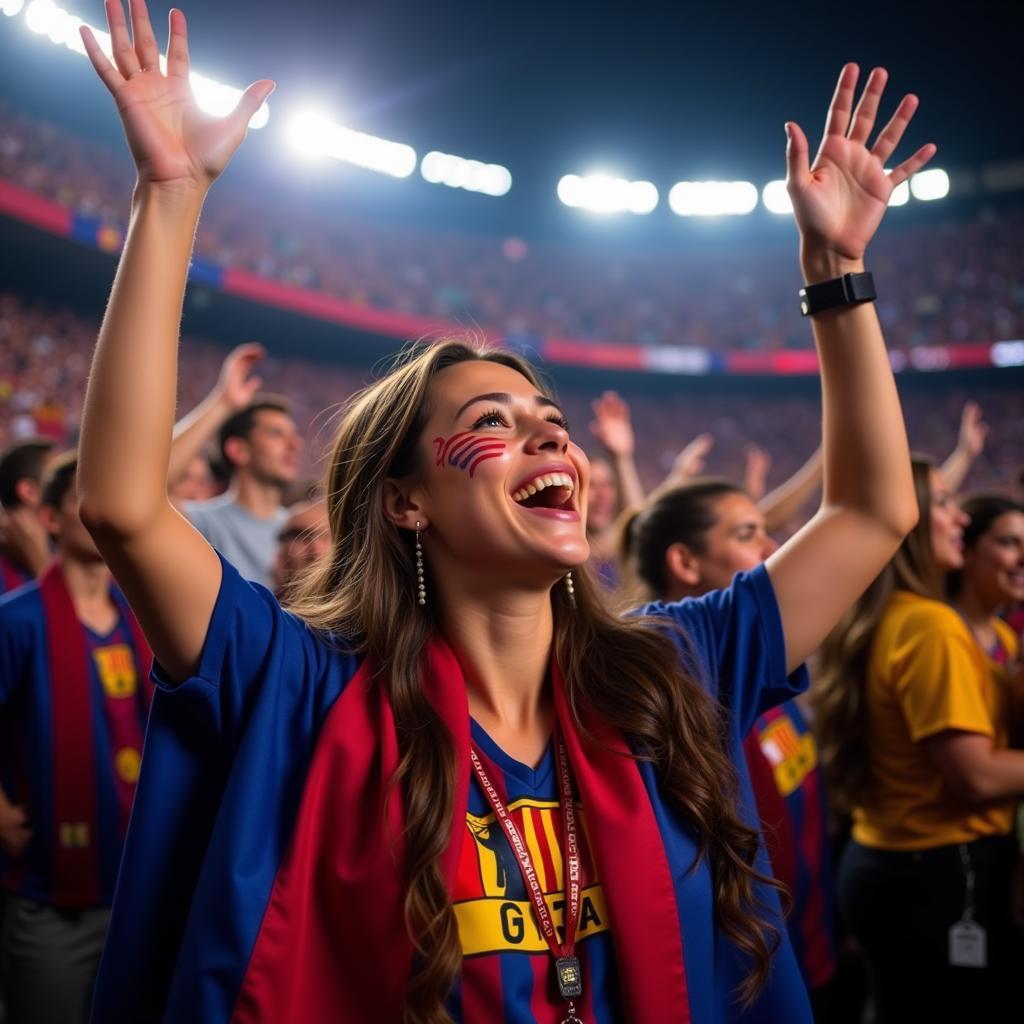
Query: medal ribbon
x=519, y=847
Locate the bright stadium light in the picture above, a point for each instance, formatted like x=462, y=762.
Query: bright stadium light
x=712, y=198
x=900, y=194
x=601, y=193
x=315, y=134
x=11, y=7
x=776, y=198
x=930, y=184
x=45, y=18
x=472, y=175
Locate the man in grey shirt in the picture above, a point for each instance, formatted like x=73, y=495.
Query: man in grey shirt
x=260, y=449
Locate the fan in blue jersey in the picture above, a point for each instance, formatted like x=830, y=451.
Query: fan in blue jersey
x=74, y=693
x=306, y=832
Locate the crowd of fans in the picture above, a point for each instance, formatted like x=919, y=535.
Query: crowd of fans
x=944, y=281
x=44, y=355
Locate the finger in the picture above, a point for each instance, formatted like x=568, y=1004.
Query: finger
x=109, y=75
x=177, y=45
x=841, y=107
x=910, y=167
x=120, y=42
x=142, y=32
x=797, y=165
x=867, y=108
x=252, y=99
x=892, y=133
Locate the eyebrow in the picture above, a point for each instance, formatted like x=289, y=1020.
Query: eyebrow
x=504, y=398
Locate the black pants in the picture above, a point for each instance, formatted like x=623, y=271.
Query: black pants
x=900, y=907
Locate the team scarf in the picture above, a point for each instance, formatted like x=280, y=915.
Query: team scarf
x=335, y=917
x=12, y=575
x=76, y=855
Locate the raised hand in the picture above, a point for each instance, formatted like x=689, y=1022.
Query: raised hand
x=973, y=430
x=237, y=383
x=755, y=478
x=612, y=425
x=172, y=141
x=840, y=199
x=691, y=460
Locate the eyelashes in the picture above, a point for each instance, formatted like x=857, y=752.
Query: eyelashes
x=495, y=417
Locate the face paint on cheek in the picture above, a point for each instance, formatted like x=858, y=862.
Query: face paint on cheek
x=467, y=450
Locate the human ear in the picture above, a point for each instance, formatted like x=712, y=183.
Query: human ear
x=682, y=565
x=237, y=451
x=51, y=519
x=401, y=507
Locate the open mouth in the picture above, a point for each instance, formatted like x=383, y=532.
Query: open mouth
x=548, y=490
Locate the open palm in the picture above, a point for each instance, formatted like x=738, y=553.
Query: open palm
x=840, y=200
x=170, y=138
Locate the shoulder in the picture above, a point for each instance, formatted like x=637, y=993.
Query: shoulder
x=21, y=606
x=910, y=614
x=1007, y=637
x=211, y=508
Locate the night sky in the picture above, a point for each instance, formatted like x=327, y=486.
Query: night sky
x=647, y=90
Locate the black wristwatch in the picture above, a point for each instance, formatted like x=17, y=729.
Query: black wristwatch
x=848, y=290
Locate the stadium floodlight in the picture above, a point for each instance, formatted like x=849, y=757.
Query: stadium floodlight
x=472, y=175
x=930, y=184
x=900, y=194
x=776, y=198
x=315, y=134
x=712, y=198
x=45, y=18
x=602, y=193
x=11, y=7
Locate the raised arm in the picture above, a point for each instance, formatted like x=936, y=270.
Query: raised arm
x=969, y=445
x=168, y=571
x=868, y=503
x=780, y=505
x=233, y=391
x=613, y=427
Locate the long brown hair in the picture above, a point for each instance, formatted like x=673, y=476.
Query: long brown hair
x=622, y=670
x=839, y=691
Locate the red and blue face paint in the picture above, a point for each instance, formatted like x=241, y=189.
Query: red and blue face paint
x=467, y=450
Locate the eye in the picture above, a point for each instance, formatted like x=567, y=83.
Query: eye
x=493, y=418
x=560, y=420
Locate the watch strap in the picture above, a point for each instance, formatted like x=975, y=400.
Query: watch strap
x=848, y=290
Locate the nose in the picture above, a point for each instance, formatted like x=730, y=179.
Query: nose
x=769, y=547
x=546, y=436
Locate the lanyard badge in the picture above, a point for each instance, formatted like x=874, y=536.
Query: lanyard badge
x=567, y=964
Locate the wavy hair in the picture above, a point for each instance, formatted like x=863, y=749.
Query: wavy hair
x=624, y=671
x=839, y=692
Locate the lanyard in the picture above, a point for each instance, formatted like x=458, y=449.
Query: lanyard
x=567, y=965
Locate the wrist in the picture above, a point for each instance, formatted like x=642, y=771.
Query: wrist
x=178, y=199
x=819, y=264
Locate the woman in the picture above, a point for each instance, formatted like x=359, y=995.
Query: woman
x=912, y=720
x=684, y=543
x=308, y=843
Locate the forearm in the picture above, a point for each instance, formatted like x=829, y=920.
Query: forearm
x=956, y=467
x=631, y=490
x=864, y=442
x=129, y=405
x=999, y=776
x=194, y=430
x=780, y=505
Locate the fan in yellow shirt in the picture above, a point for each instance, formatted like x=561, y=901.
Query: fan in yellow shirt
x=914, y=704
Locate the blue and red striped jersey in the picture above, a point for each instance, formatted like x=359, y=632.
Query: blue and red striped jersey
x=507, y=961
x=790, y=796
x=235, y=899
x=27, y=761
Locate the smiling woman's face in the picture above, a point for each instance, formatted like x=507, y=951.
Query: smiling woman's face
x=501, y=487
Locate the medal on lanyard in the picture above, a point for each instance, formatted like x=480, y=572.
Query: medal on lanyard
x=567, y=964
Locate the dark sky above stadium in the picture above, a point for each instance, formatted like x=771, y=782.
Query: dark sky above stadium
x=655, y=91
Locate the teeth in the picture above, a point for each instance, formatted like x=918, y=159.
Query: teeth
x=540, y=482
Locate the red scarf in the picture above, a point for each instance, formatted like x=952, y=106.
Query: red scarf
x=335, y=915
x=12, y=575
x=76, y=868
